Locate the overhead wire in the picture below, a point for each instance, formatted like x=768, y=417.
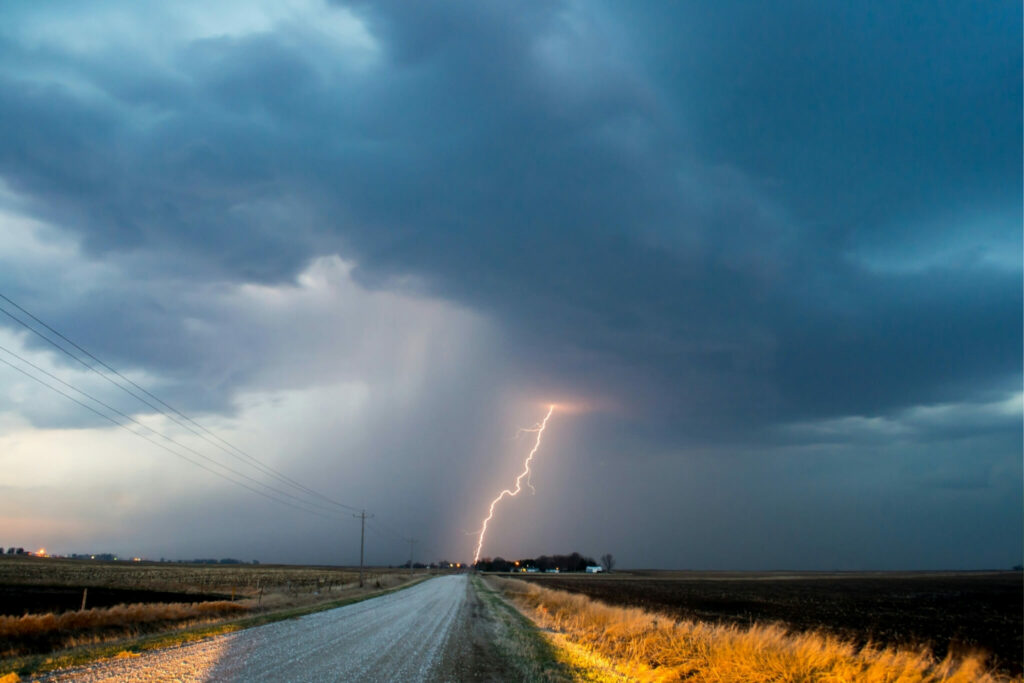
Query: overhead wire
x=386, y=532
x=131, y=419
x=157, y=443
x=205, y=433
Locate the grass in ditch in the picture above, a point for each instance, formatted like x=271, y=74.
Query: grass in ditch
x=41, y=633
x=620, y=643
x=522, y=645
x=39, y=663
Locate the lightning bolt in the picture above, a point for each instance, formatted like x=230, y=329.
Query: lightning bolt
x=539, y=430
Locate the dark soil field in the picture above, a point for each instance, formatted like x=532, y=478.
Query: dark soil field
x=948, y=612
x=18, y=600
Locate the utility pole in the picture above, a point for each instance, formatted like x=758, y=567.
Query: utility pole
x=362, y=541
x=412, y=542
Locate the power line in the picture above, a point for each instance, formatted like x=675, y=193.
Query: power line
x=389, y=533
x=381, y=528
x=157, y=443
x=150, y=429
x=235, y=452
x=189, y=425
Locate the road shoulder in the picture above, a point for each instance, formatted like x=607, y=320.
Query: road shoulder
x=497, y=643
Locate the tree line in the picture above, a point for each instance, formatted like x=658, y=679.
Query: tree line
x=573, y=562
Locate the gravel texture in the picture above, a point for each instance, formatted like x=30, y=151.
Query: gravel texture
x=402, y=636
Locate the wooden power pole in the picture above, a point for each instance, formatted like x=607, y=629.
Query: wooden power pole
x=362, y=541
x=412, y=542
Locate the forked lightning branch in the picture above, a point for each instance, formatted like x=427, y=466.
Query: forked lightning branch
x=525, y=474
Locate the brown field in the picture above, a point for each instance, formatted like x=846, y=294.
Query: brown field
x=173, y=577
x=40, y=598
x=945, y=612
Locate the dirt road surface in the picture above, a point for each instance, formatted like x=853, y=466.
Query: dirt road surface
x=423, y=633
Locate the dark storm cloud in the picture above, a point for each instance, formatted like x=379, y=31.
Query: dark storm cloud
x=678, y=211
x=865, y=115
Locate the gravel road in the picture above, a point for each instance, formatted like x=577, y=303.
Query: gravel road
x=416, y=634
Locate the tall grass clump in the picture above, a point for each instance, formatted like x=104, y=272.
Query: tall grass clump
x=642, y=646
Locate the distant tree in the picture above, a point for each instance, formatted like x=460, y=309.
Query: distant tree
x=608, y=562
x=576, y=563
x=500, y=564
x=10, y=551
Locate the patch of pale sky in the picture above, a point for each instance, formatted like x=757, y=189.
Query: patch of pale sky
x=910, y=422
x=348, y=331
x=275, y=425
x=40, y=404
x=33, y=251
x=156, y=30
x=1012, y=406
x=60, y=473
x=981, y=240
x=559, y=51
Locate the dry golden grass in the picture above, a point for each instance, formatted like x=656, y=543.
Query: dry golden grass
x=45, y=632
x=631, y=644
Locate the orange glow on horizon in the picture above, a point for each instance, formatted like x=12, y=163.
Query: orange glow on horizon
x=539, y=429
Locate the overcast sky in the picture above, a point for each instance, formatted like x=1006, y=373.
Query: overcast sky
x=765, y=258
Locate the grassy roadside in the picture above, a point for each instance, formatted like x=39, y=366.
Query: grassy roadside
x=37, y=664
x=522, y=645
